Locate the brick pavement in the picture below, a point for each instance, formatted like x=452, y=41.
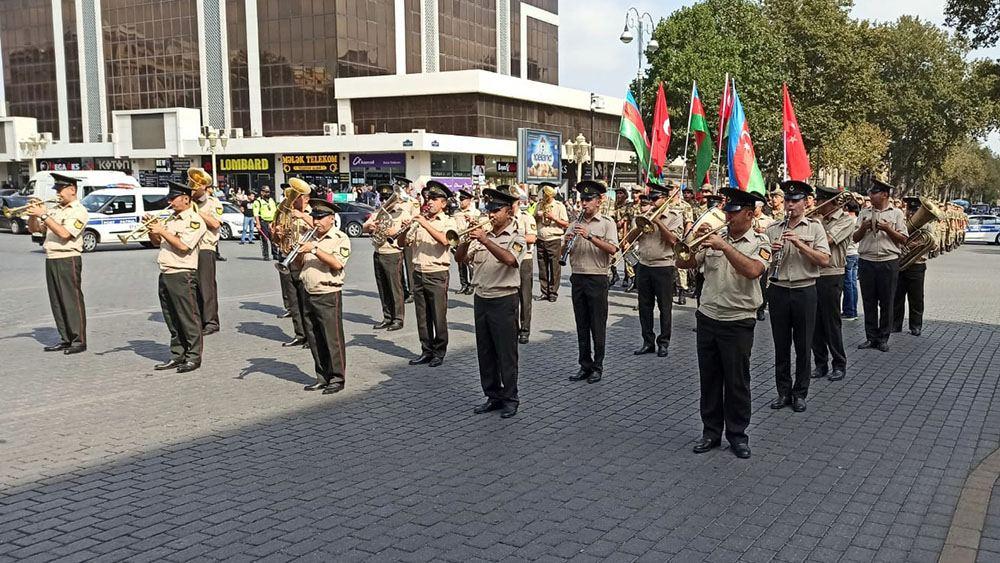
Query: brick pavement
x=104, y=460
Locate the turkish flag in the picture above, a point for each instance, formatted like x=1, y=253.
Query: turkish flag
x=661, y=132
x=796, y=159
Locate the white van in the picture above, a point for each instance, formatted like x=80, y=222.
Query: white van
x=42, y=185
x=116, y=211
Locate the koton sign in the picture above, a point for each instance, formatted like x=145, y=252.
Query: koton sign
x=378, y=160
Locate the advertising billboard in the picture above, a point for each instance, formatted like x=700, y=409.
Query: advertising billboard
x=540, y=153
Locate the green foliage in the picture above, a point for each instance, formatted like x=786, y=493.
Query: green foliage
x=856, y=148
x=979, y=19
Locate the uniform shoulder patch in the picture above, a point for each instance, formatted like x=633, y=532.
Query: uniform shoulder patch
x=517, y=247
x=345, y=252
x=195, y=224
x=78, y=224
x=764, y=253
x=218, y=211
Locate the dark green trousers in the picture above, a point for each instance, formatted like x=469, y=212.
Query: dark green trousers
x=430, y=304
x=294, y=295
x=208, y=292
x=179, y=302
x=326, y=339
x=62, y=276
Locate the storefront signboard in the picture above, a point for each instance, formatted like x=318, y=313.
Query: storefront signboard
x=311, y=163
x=378, y=160
x=541, y=153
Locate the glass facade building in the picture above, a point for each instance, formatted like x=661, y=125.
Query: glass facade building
x=29, y=63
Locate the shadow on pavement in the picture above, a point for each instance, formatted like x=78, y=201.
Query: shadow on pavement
x=146, y=348
x=262, y=307
x=45, y=335
x=275, y=368
x=261, y=330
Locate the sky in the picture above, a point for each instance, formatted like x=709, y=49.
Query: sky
x=592, y=58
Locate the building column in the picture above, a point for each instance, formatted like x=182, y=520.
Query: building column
x=253, y=70
x=93, y=89
x=429, y=36
x=59, y=51
x=503, y=37
x=214, y=63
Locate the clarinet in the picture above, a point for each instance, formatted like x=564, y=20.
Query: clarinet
x=779, y=255
x=569, y=245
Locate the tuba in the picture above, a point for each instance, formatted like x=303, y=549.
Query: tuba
x=714, y=219
x=545, y=205
x=919, y=242
x=383, y=220
x=644, y=224
x=290, y=230
x=929, y=211
x=198, y=179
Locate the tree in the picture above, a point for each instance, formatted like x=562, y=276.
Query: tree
x=858, y=147
x=978, y=18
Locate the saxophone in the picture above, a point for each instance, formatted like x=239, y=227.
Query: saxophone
x=383, y=220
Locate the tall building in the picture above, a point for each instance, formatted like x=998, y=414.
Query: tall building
x=339, y=91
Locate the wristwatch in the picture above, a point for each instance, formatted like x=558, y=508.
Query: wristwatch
x=590, y=236
x=313, y=250
x=43, y=217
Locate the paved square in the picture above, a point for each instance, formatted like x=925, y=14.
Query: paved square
x=103, y=459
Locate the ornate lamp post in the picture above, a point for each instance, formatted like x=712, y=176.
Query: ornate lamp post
x=213, y=140
x=578, y=151
x=31, y=146
x=643, y=26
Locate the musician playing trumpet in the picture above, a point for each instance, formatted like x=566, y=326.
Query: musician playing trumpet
x=321, y=263
x=552, y=220
x=654, y=274
x=179, y=237
x=801, y=249
x=467, y=216
x=392, y=217
x=210, y=209
x=63, y=228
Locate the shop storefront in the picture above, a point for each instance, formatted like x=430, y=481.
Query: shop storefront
x=322, y=170
x=377, y=168
x=164, y=170
x=243, y=172
x=83, y=164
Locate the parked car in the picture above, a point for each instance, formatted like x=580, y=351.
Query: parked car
x=983, y=228
x=117, y=211
x=232, y=222
x=352, y=216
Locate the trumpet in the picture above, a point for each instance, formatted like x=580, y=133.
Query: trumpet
x=407, y=233
x=142, y=229
x=457, y=238
x=285, y=265
x=9, y=212
x=714, y=218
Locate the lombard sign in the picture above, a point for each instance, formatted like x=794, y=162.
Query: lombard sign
x=251, y=163
x=378, y=160
x=541, y=155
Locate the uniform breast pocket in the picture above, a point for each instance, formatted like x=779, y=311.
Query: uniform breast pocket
x=808, y=239
x=713, y=259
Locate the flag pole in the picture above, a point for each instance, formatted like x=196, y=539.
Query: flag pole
x=687, y=136
x=649, y=161
x=722, y=124
x=784, y=135
x=618, y=142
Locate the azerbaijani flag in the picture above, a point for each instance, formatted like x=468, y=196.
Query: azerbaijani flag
x=632, y=129
x=702, y=139
x=743, y=170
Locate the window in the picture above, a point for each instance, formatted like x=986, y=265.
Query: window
x=120, y=205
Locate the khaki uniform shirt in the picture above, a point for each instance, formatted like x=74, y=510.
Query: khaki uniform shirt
x=527, y=226
x=398, y=213
x=491, y=277
x=727, y=295
x=190, y=228
x=317, y=277
x=760, y=224
x=876, y=246
x=778, y=214
x=211, y=238
x=466, y=218
x=585, y=257
x=428, y=255
x=653, y=251
x=699, y=210
x=839, y=228
x=547, y=228
x=796, y=270
x=73, y=218
x=688, y=211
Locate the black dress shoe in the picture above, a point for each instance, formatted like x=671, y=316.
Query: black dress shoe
x=305, y=346
x=662, y=351
x=705, y=445
x=644, y=349
x=522, y=338
x=915, y=331
x=799, y=404
x=741, y=450
x=285, y=315
x=541, y=298
x=209, y=330
x=552, y=298
x=220, y=258
x=169, y=365
x=435, y=362
x=187, y=366
x=595, y=376
x=315, y=387
x=819, y=372
x=761, y=316
x=867, y=344
x=508, y=411
x=580, y=375
x=56, y=347
x=682, y=300
x=408, y=299
x=421, y=359
x=837, y=375
x=489, y=405
x=75, y=349
x=882, y=346
x=394, y=326
x=895, y=330
x=334, y=388
x=294, y=342
x=781, y=402
x=381, y=325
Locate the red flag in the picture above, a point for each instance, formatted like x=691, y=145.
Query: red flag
x=796, y=159
x=725, y=111
x=661, y=132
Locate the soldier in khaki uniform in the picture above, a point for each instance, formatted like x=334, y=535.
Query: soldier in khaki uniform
x=496, y=255
x=528, y=228
x=828, y=338
x=322, y=263
x=431, y=262
x=388, y=261
x=761, y=222
x=210, y=209
x=63, y=228
x=733, y=260
x=800, y=249
x=292, y=290
x=552, y=220
x=466, y=217
x=880, y=235
x=594, y=240
x=179, y=237
x=682, y=205
x=655, y=273
x=910, y=283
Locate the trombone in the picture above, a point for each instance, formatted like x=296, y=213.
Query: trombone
x=714, y=218
x=142, y=229
x=9, y=212
x=457, y=238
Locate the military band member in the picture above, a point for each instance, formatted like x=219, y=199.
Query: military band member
x=496, y=255
x=910, y=283
x=410, y=205
x=776, y=202
x=63, y=229
x=431, y=262
x=880, y=235
x=388, y=261
x=466, y=217
x=828, y=338
x=322, y=263
x=684, y=276
x=179, y=237
x=799, y=249
x=292, y=290
x=655, y=273
x=761, y=221
x=733, y=261
x=595, y=241
x=552, y=220
x=528, y=228
x=210, y=209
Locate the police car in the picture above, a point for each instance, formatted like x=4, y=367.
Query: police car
x=983, y=228
x=116, y=211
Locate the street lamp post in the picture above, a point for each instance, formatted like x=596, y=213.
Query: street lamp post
x=578, y=150
x=596, y=103
x=637, y=23
x=213, y=140
x=31, y=146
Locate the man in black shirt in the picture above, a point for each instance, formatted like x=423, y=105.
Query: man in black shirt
x=248, y=225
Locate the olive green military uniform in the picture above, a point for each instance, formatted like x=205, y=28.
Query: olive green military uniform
x=388, y=267
x=323, y=287
x=178, y=286
x=550, y=241
x=589, y=285
x=208, y=293
x=910, y=287
x=63, y=267
x=431, y=264
x=828, y=338
x=293, y=291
